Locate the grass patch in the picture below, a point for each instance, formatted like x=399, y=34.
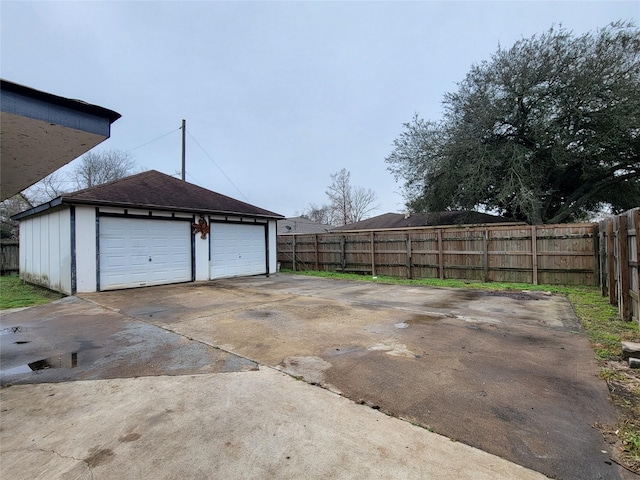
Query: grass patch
x=604, y=328
x=15, y=293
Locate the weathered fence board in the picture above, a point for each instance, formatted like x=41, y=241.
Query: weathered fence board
x=550, y=254
x=9, y=256
x=619, y=270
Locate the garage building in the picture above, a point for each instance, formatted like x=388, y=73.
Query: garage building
x=146, y=229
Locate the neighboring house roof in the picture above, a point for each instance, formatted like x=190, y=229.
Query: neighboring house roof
x=152, y=190
x=400, y=220
x=291, y=226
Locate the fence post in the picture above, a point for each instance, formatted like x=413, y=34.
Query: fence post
x=603, y=258
x=635, y=305
x=343, y=256
x=316, y=252
x=408, y=242
x=596, y=258
x=293, y=249
x=485, y=255
x=373, y=255
x=611, y=265
x=623, y=260
x=534, y=253
x=636, y=224
x=440, y=256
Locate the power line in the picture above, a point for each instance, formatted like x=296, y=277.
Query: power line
x=218, y=166
x=193, y=180
x=154, y=140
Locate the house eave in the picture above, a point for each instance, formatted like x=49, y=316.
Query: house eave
x=70, y=201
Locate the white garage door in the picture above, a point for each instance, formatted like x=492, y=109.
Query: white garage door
x=140, y=252
x=237, y=249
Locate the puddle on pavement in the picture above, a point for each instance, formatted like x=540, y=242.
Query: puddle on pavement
x=67, y=360
x=12, y=330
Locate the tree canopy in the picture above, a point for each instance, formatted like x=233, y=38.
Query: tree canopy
x=546, y=131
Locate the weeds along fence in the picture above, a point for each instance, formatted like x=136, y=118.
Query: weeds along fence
x=9, y=256
x=548, y=254
x=619, y=256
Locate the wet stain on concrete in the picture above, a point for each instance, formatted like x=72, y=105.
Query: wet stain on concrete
x=238, y=364
x=104, y=346
x=147, y=312
x=468, y=295
x=454, y=299
x=129, y=437
x=516, y=295
x=508, y=414
x=422, y=319
x=349, y=350
x=310, y=368
x=98, y=456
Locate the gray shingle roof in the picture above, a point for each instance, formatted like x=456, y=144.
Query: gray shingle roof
x=301, y=225
x=400, y=220
x=154, y=190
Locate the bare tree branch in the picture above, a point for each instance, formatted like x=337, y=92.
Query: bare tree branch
x=97, y=168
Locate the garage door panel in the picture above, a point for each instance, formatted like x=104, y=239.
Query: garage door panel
x=237, y=249
x=140, y=252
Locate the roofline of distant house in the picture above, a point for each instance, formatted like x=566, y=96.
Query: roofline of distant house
x=77, y=105
x=56, y=202
x=423, y=227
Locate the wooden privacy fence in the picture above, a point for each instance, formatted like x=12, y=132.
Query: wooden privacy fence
x=619, y=257
x=549, y=254
x=9, y=256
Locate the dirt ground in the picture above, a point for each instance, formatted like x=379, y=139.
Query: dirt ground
x=509, y=373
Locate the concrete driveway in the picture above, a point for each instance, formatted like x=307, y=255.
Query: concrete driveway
x=511, y=374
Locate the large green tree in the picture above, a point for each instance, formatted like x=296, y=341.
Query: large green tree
x=546, y=131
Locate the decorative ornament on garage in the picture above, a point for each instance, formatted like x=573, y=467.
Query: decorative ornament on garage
x=201, y=227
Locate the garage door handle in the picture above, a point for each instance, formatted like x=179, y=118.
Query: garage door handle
x=149, y=258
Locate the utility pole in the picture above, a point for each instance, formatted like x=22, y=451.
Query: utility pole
x=184, y=143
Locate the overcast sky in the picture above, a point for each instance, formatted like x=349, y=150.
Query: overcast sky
x=278, y=94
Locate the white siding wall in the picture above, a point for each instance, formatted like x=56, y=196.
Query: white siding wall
x=273, y=247
x=45, y=250
x=202, y=257
x=85, y=249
